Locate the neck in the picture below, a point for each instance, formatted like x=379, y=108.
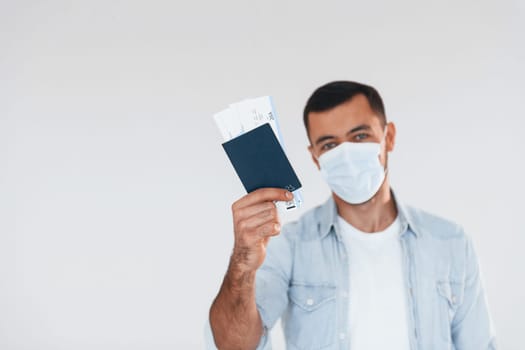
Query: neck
x=373, y=215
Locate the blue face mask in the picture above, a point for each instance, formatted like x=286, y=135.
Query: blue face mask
x=353, y=170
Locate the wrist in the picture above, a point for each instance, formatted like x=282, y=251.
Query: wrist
x=239, y=275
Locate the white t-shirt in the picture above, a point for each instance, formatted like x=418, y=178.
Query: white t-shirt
x=378, y=296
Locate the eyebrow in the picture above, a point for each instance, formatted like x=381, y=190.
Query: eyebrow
x=329, y=137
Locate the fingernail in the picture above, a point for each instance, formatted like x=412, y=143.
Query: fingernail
x=277, y=227
x=289, y=195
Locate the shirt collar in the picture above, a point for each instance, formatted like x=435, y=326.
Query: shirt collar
x=328, y=217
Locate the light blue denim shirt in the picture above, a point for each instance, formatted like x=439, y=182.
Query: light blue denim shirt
x=305, y=281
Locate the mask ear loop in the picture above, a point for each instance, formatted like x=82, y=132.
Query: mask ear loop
x=383, y=141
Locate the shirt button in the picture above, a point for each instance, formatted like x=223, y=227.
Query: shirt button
x=309, y=302
x=341, y=336
x=453, y=299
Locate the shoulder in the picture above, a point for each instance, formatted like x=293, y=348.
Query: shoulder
x=311, y=225
x=281, y=249
x=430, y=225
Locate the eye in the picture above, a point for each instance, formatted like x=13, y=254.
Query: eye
x=328, y=146
x=360, y=137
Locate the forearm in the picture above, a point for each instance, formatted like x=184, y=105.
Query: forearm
x=234, y=318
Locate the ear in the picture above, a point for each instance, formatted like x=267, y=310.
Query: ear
x=316, y=162
x=390, y=137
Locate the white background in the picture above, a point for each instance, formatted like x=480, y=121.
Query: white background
x=115, y=193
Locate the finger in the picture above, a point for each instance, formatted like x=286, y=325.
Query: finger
x=252, y=210
x=268, y=230
x=259, y=234
x=263, y=195
x=253, y=222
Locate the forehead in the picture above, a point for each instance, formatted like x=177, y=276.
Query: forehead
x=342, y=118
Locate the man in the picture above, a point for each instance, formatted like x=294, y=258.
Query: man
x=362, y=271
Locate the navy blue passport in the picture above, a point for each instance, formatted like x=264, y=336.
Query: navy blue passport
x=260, y=161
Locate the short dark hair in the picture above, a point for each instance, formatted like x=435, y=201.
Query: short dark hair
x=336, y=93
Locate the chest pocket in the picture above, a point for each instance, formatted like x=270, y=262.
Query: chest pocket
x=310, y=322
x=450, y=297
